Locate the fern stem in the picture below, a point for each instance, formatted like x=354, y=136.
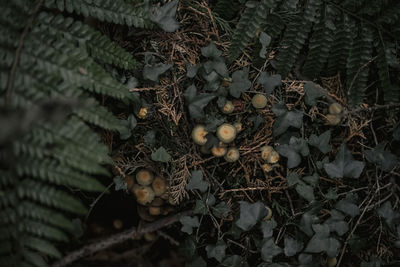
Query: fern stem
x=11, y=77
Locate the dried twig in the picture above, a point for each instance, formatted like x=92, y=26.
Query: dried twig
x=118, y=238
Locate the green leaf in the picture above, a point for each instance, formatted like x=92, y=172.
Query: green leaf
x=153, y=72
x=197, y=182
x=307, y=221
x=312, y=92
x=286, y=118
x=161, y=155
x=269, y=250
x=187, y=248
x=197, y=102
x=216, y=251
x=331, y=194
x=321, y=242
x=306, y=191
x=292, y=246
x=132, y=122
x=250, y=214
x=321, y=142
x=120, y=183
x=293, y=178
x=312, y=180
x=188, y=223
x=234, y=261
x=344, y=165
x=269, y=82
x=218, y=65
x=240, y=82
x=265, y=40
x=203, y=205
x=196, y=262
x=267, y=228
x=293, y=150
x=164, y=16
x=336, y=223
x=191, y=70
x=386, y=160
x=211, y=51
x=396, y=132
x=348, y=207
x=386, y=211
x=221, y=210
x=150, y=138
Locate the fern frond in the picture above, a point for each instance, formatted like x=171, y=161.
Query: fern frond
x=295, y=37
x=391, y=93
x=358, y=65
x=320, y=44
x=341, y=46
x=227, y=9
x=250, y=22
x=391, y=13
x=99, y=46
x=114, y=11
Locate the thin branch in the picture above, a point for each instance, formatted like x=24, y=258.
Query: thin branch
x=117, y=239
x=11, y=76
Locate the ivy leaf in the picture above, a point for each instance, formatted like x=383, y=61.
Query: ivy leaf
x=221, y=210
x=250, y=214
x=234, y=261
x=344, y=165
x=211, y=51
x=153, y=72
x=120, y=183
x=306, y=192
x=267, y=228
x=164, y=16
x=187, y=248
x=197, y=102
x=331, y=194
x=161, y=155
x=218, y=65
x=188, y=223
x=292, y=246
x=321, y=142
x=307, y=220
x=197, y=262
x=293, y=178
x=191, y=70
x=396, y=132
x=202, y=205
x=312, y=92
x=286, y=118
x=269, y=250
x=348, y=207
x=293, y=150
x=197, y=182
x=268, y=82
x=240, y=82
x=321, y=242
x=386, y=160
x=265, y=40
x=336, y=223
x=391, y=217
x=216, y=251
x=312, y=180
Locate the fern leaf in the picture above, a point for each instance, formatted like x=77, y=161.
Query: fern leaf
x=341, y=46
x=295, y=37
x=391, y=13
x=358, y=66
x=250, y=22
x=391, y=93
x=40, y=245
x=114, y=11
x=98, y=115
x=42, y=230
x=99, y=46
x=320, y=44
x=49, y=196
x=227, y=9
